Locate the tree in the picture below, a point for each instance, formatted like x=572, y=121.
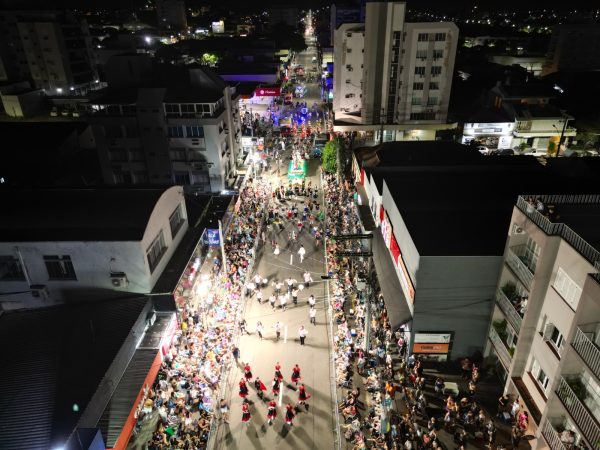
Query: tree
x=329, y=158
x=286, y=36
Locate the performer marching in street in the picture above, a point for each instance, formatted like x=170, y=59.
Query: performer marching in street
x=296, y=374
x=272, y=411
x=289, y=415
x=243, y=388
x=260, y=387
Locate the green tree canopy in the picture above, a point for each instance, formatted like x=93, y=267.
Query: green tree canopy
x=329, y=157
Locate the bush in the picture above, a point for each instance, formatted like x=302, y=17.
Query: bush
x=329, y=158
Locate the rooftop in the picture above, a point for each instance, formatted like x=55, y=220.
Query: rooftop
x=458, y=204
x=106, y=214
x=56, y=359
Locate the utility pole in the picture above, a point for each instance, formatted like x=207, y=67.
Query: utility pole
x=562, y=133
x=382, y=121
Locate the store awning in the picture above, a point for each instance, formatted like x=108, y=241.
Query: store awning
x=395, y=300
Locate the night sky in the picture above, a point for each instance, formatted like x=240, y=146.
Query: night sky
x=432, y=5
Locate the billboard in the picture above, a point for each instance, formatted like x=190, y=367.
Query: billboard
x=268, y=92
x=213, y=236
x=437, y=343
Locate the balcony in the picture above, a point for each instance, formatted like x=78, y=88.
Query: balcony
x=499, y=344
x=552, y=437
x=572, y=395
x=588, y=351
x=507, y=307
x=519, y=260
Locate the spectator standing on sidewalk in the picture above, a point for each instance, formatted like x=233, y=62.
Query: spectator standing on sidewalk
x=236, y=353
x=224, y=408
x=302, y=332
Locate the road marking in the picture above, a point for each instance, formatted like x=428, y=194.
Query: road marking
x=291, y=259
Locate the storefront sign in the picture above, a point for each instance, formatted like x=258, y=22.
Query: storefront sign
x=431, y=348
x=268, y=92
x=432, y=338
x=386, y=231
x=213, y=236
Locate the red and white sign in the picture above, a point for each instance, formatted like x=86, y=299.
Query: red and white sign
x=268, y=92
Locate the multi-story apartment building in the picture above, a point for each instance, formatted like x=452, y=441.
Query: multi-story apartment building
x=573, y=48
x=545, y=333
x=406, y=69
x=187, y=134
x=50, y=48
x=171, y=15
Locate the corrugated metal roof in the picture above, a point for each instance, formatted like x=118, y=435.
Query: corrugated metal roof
x=54, y=358
x=121, y=403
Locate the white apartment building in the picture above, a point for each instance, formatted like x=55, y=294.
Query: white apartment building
x=348, y=70
x=60, y=245
x=545, y=334
x=406, y=70
x=50, y=48
x=183, y=134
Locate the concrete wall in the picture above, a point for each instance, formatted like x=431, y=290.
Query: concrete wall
x=456, y=294
x=347, y=67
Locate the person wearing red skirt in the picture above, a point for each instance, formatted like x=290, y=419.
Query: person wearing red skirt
x=245, y=412
x=243, y=388
x=247, y=372
x=278, y=374
x=260, y=387
x=302, y=395
x=296, y=374
x=271, y=411
x=289, y=415
x=275, y=386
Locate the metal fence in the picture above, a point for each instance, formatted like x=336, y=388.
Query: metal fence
x=578, y=411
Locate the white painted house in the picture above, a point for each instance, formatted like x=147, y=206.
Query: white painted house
x=61, y=245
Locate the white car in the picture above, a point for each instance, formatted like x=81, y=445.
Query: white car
x=483, y=150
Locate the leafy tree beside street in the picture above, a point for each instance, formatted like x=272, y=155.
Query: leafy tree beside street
x=329, y=157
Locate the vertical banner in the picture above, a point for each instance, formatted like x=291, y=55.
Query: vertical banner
x=214, y=237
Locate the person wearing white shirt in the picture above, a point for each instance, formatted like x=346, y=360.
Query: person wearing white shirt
x=302, y=332
x=283, y=300
x=301, y=252
x=311, y=301
x=307, y=279
x=312, y=313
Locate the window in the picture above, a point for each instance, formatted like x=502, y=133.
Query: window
x=422, y=54
x=416, y=101
x=176, y=221
x=10, y=269
x=420, y=70
x=539, y=375
x=436, y=70
x=117, y=154
x=60, y=267
x=175, y=132
x=432, y=101
x=171, y=108
x=349, y=50
x=417, y=86
x=155, y=251
x=177, y=154
x=423, y=37
x=438, y=54
x=182, y=178
x=422, y=116
x=348, y=81
x=140, y=176
x=350, y=95
x=195, y=132
x=136, y=154
x=440, y=37
x=567, y=288
x=434, y=86
x=187, y=109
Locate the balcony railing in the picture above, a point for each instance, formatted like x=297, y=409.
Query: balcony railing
x=552, y=437
x=500, y=347
x=588, y=351
x=514, y=259
x=509, y=310
x=578, y=411
x=560, y=229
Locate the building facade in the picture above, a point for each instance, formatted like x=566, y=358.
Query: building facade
x=406, y=69
x=171, y=15
x=545, y=333
x=52, y=49
x=96, y=249
x=573, y=48
x=184, y=135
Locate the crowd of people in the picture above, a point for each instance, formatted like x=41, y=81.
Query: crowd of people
x=190, y=378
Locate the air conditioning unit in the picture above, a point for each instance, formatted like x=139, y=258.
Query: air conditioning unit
x=518, y=230
x=39, y=291
x=119, y=279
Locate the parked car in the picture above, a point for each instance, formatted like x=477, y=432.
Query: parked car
x=503, y=152
x=483, y=150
